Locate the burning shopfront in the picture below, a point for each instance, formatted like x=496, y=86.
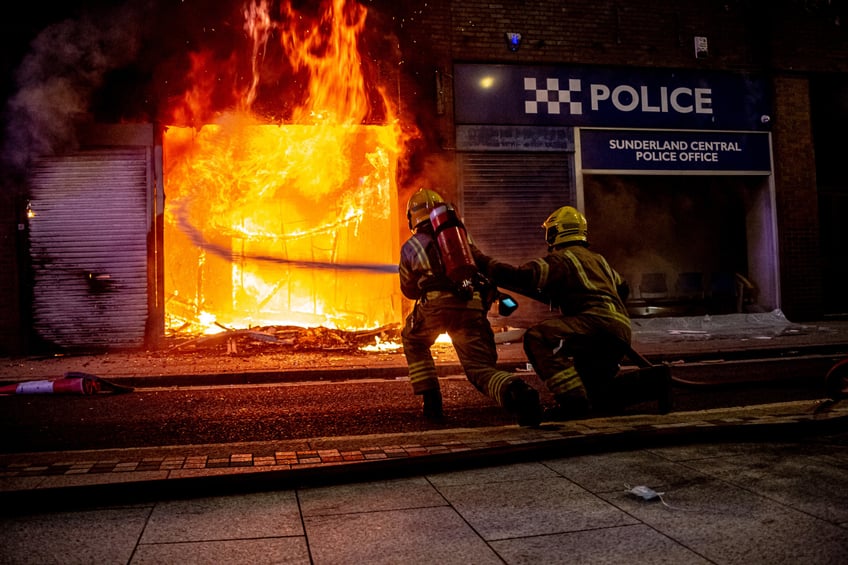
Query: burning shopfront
x=222, y=219
x=267, y=191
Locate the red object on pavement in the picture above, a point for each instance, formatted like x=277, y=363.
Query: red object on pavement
x=64, y=385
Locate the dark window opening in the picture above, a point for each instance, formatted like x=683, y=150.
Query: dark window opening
x=680, y=241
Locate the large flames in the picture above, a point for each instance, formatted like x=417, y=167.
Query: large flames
x=291, y=222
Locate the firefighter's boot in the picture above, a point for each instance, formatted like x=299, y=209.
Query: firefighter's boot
x=523, y=401
x=648, y=384
x=433, y=404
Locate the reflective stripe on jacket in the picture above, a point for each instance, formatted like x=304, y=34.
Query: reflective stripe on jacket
x=573, y=278
x=421, y=271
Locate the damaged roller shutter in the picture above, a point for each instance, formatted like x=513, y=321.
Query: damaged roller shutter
x=505, y=198
x=88, y=247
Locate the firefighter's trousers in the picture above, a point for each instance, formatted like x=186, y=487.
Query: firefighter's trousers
x=472, y=338
x=575, y=356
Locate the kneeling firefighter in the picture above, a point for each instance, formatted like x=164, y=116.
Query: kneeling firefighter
x=437, y=270
x=578, y=354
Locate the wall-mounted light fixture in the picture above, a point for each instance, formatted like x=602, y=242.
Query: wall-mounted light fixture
x=513, y=41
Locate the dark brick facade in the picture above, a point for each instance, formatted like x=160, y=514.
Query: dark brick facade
x=794, y=170
x=785, y=42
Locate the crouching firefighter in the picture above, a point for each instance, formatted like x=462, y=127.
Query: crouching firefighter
x=578, y=353
x=437, y=270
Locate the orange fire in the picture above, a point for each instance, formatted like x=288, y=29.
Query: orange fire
x=289, y=223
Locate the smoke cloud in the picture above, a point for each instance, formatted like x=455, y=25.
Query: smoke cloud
x=56, y=79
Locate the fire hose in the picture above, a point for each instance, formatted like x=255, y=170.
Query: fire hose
x=197, y=239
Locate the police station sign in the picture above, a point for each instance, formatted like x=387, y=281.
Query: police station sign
x=605, y=97
x=634, y=151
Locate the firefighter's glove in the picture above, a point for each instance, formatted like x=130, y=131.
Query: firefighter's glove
x=484, y=286
x=465, y=289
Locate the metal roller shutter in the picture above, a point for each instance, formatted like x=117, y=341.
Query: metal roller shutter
x=505, y=199
x=88, y=246
x=507, y=196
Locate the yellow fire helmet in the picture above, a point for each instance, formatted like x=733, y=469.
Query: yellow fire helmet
x=566, y=225
x=419, y=206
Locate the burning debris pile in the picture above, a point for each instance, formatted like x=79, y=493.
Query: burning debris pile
x=291, y=339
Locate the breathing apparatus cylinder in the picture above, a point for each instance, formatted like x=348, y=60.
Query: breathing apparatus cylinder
x=452, y=240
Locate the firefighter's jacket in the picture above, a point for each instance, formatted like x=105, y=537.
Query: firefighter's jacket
x=441, y=308
x=420, y=266
x=422, y=274
x=578, y=281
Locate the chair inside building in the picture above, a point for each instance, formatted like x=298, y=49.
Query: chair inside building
x=653, y=286
x=656, y=298
x=651, y=292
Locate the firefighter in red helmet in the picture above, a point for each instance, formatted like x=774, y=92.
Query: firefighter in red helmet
x=578, y=354
x=458, y=308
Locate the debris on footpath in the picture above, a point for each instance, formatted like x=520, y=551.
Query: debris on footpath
x=290, y=338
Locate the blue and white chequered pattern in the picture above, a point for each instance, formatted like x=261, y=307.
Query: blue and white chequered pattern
x=545, y=102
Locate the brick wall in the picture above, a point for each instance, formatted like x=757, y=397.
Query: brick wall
x=797, y=201
x=783, y=41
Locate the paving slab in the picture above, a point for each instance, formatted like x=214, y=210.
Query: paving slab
x=437, y=535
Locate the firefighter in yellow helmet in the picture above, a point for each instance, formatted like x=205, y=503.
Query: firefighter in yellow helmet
x=577, y=354
x=442, y=307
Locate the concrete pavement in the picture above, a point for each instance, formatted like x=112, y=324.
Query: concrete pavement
x=756, y=484
x=766, y=485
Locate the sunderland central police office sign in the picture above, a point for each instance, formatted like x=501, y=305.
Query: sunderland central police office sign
x=603, y=97
x=635, y=151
